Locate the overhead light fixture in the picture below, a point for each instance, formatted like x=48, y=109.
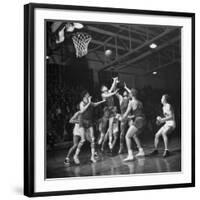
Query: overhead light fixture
x=153, y=46
x=154, y=73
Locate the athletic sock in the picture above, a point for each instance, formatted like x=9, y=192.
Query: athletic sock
x=77, y=152
x=130, y=153
x=141, y=149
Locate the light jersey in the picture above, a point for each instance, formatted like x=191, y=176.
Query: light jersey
x=167, y=110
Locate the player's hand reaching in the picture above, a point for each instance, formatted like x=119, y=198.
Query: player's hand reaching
x=89, y=99
x=116, y=91
x=116, y=79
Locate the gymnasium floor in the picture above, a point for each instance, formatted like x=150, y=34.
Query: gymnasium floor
x=114, y=165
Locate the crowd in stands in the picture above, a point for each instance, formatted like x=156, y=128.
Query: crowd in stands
x=61, y=105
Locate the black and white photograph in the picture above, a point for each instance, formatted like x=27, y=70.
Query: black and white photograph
x=109, y=99
x=113, y=99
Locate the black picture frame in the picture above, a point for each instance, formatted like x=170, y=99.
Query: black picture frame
x=29, y=81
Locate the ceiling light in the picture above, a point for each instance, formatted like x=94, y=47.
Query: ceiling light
x=153, y=46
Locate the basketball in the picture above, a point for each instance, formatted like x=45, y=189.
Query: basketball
x=108, y=52
x=158, y=122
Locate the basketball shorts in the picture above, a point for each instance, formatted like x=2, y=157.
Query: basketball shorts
x=139, y=122
x=111, y=110
x=78, y=132
x=85, y=123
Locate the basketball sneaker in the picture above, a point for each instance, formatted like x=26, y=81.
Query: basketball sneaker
x=154, y=152
x=166, y=153
x=140, y=153
x=93, y=160
x=67, y=161
x=130, y=156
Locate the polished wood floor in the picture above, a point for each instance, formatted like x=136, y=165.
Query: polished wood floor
x=113, y=164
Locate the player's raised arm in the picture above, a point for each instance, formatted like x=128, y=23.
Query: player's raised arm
x=104, y=96
x=98, y=103
x=114, y=84
x=126, y=88
x=74, y=119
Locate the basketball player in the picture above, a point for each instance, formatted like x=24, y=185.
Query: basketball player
x=107, y=95
x=123, y=102
x=103, y=125
x=86, y=123
x=78, y=136
x=115, y=132
x=136, y=124
x=169, y=125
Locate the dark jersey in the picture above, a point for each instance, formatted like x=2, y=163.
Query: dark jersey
x=86, y=119
x=139, y=118
x=88, y=114
x=139, y=109
x=110, y=101
x=124, y=105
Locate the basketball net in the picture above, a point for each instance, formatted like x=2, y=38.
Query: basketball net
x=81, y=41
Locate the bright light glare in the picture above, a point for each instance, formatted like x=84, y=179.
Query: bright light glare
x=153, y=46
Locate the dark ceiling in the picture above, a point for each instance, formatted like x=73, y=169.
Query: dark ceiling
x=130, y=44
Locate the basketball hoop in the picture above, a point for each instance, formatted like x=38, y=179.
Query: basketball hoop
x=81, y=41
